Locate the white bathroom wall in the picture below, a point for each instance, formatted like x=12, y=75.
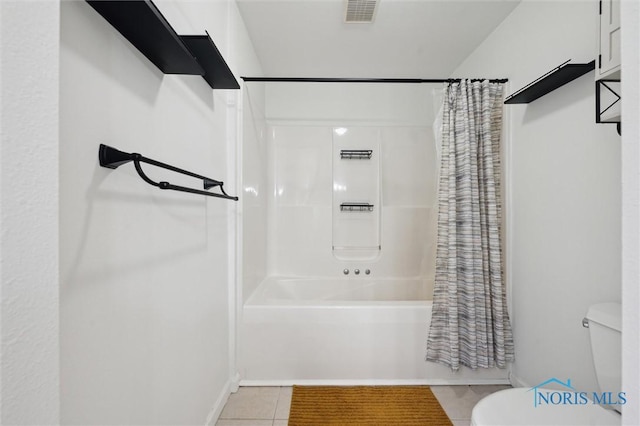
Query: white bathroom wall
x=302, y=118
x=366, y=103
x=564, y=197
x=146, y=323
x=29, y=329
x=630, y=21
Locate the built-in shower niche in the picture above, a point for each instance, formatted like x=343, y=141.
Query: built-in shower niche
x=356, y=208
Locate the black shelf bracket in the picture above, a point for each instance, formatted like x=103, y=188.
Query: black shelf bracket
x=612, y=89
x=557, y=77
x=142, y=24
x=112, y=158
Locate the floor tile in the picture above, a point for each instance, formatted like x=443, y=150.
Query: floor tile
x=253, y=422
x=252, y=403
x=259, y=406
x=484, y=390
x=284, y=403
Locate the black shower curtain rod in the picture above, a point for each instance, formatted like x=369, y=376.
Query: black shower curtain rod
x=367, y=80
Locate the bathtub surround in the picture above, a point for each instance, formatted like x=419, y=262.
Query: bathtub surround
x=470, y=322
x=356, y=209
x=296, y=178
x=253, y=172
x=304, y=319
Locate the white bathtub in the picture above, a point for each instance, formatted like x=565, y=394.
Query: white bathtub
x=327, y=291
x=353, y=330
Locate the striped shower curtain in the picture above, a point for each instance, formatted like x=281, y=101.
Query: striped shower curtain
x=469, y=322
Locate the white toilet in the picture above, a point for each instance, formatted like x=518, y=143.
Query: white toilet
x=514, y=407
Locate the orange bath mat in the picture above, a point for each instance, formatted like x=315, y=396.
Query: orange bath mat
x=366, y=405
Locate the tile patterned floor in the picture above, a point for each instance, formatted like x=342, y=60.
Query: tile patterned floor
x=269, y=406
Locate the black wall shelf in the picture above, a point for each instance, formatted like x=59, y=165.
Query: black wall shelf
x=549, y=82
x=217, y=72
x=143, y=25
x=140, y=22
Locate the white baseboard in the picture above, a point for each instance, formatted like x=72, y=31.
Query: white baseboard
x=235, y=383
x=517, y=382
x=365, y=382
x=230, y=387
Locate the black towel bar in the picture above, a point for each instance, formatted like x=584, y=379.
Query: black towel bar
x=112, y=158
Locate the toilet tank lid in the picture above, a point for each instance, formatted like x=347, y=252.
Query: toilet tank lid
x=607, y=314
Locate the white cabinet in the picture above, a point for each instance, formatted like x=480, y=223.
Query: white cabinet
x=608, y=65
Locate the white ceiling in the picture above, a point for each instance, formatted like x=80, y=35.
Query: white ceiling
x=407, y=39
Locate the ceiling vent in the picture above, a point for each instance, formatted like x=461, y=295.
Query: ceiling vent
x=360, y=11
